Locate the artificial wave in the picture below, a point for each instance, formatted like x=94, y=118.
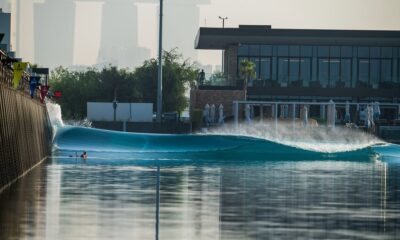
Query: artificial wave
x=250, y=141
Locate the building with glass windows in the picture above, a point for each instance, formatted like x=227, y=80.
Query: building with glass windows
x=306, y=64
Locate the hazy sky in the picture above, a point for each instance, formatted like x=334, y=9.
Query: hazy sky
x=336, y=14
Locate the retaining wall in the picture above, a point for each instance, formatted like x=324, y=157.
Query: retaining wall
x=199, y=98
x=25, y=134
x=141, y=127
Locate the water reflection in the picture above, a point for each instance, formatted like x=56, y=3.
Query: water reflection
x=22, y=207
x=219, y=199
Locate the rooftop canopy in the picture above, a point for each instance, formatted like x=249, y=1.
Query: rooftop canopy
x=220, y=38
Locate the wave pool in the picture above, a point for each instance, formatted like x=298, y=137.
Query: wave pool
x=254, y=182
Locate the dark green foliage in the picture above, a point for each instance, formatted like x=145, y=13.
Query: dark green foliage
x=80, y=87
x=247, y=71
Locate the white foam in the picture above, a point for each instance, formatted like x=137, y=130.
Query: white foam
x=56, y=120
x=318, y=139
x=54, y=111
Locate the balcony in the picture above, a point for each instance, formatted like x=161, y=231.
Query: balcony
x=220, y=82
x=296, y=88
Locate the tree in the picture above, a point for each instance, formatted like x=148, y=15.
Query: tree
x=247, y=71
x=78, y=88
x=177, y=77
x=140, y=85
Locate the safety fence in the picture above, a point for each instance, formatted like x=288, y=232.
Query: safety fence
x=25, y=130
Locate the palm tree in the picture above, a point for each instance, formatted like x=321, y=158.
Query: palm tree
x=247, y=71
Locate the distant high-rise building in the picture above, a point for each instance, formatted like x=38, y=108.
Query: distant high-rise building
x=119, y=35
x=5, y=28
x=5, y=5
x=54, y=32
x=181, y=22
x=54, y=29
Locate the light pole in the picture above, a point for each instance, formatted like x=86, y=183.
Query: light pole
x=223, y=20
x=159, y=82
x=115, y=104
x=223, y=26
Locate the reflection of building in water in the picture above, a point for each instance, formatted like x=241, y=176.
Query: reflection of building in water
x=119, y=36
x=230, y=199
x=311, y=198
x=22, y=208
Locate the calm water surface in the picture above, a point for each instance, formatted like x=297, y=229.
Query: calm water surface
x=111, y=196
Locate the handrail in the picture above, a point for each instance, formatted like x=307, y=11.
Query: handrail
x=7, y=75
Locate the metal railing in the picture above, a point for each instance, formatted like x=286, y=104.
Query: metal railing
x=7, y=76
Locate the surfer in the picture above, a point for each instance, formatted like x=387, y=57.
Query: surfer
x=84, y=155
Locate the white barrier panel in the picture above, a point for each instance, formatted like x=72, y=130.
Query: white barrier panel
x=129, y=112
x=142, y=112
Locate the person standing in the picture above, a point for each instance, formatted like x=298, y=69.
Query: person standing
x=202, y=77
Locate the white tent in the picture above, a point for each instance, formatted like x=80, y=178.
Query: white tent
x=247, y=113
x=212, y=113
x=305, y=115
x=347, y=118
x=221, y=114
x=206, y=113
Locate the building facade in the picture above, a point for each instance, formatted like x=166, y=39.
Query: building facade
x=314, y=65
x=5, y=29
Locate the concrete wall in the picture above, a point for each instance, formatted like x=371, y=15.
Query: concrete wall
x=146, y=127
x=25, y=134
x=199, y=98
x=130, y=112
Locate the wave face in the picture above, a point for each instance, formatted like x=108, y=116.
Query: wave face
x=250, y=141
x=106, y=144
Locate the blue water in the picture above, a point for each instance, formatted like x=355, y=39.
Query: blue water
x=215, y=186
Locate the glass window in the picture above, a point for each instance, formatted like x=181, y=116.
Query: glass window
x=323, y=71
x=386, y=52
x=375, y=67
x=243, y=50
x=294, y=51
x=363, y=52
x=283, y=71
x=375, y=52
x=345, y=72
x=266, y=50
x=265, y=68
x=283, y=51
x=294, y=69
x=254, y=50
x=386, y=71
x=346, y=52
x=334, y=71
x=335, y=52
x=363, y=72
x=398, y=69
x=306, y=51
x=323, y=51
x=305, y=71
